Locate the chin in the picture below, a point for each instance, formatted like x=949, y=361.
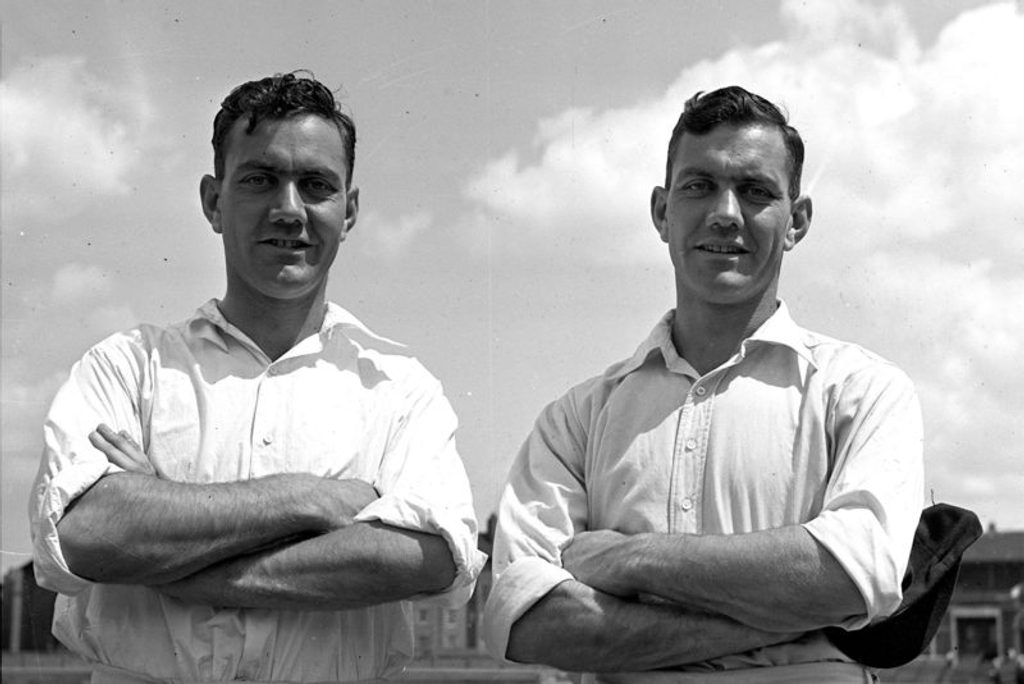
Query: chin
x=723, y=295
x=290, y=290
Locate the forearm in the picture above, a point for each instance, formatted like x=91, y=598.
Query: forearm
x=137, y=529
x=354, y=567
x=779, y=580
x=577, y=628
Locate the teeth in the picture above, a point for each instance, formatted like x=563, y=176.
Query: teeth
x=288, y=244
x=722, y=249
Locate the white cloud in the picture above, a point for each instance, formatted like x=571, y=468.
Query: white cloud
x=824, y=23
x=69, y=138
x=907, y=144
x=592, y=181
x=381, y=237
x=76, y=282
x=914, y=152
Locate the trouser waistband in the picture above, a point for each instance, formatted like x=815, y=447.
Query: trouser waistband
x=802, y=673
x=105, y=674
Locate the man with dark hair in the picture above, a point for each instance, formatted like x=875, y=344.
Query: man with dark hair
x=257, y=492
x=703, y=509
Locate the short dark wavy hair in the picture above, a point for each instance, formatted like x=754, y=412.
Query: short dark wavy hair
x=736, y=106
x=277, y=97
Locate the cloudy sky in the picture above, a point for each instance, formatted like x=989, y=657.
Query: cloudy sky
x=506, y=156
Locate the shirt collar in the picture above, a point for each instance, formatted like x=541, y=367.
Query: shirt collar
x=210, y=324
x=339, y=320
x=779, y=329
x=660, y=340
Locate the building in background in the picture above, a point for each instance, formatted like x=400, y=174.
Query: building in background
x=27, y=613
x=981, y=637
x=456, y=632
x=984, y=620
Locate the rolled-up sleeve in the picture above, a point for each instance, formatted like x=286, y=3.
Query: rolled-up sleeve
x=424, y=487
x=542, y=507
x=96, y=391
x=876, y=491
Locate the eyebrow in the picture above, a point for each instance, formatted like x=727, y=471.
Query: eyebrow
x=302, y=171
x=743, y=176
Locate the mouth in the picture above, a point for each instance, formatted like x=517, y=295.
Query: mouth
x=727, y=250
x=282, y=243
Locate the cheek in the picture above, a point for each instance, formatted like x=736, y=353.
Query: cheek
x=770, y=231
x=675, y=241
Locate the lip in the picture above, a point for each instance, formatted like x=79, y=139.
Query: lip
x=286, y=244
x=723, y=250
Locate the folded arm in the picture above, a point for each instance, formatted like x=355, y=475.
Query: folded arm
x=778, y=580
x=133, y=528
x=610, y=634
x=843, y=567
x=365, y=564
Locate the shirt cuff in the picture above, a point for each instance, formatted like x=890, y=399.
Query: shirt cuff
x=523, y=583
x=52, y=499
x=860, y=545
x=459, y=532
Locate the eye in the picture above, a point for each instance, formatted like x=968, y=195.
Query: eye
x=255, y=181
x=319, y=186
x=698, y=187
x=760, y=193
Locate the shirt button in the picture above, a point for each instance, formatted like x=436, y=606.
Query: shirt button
x=701, y=391
x=267, y=439
x=686, y=504
x=691, y=444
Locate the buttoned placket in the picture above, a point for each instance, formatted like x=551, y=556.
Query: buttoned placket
x=689, y=457
x=265, y=442
x=265, y=420
x=681, y=519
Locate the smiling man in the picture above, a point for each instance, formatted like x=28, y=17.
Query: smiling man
x=702, y=509
x=257, y=492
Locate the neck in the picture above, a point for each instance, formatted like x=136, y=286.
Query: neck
x=275, y=325
x=707, y=335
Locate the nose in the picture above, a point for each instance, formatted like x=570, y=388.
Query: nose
x=288, y=206
x=726, y=211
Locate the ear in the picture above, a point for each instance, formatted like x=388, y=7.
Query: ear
x=800, y=221
x=659, y=207
x=209, y=196
x=351, y=211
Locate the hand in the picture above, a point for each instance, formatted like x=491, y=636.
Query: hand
x=205, y=588
x=600, y=560
x=121, y=450
x=341, y=500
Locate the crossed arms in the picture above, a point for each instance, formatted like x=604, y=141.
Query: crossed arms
x=284, y=541
x=570, y=594
x=650, y=601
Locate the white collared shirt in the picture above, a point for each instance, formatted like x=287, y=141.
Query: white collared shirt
x=343, y=403
x=795, y=428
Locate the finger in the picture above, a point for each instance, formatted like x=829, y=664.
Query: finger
x=132, y=448
x=120, y=449
x=106, y=432
x=122, y=439
x=113, y=454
